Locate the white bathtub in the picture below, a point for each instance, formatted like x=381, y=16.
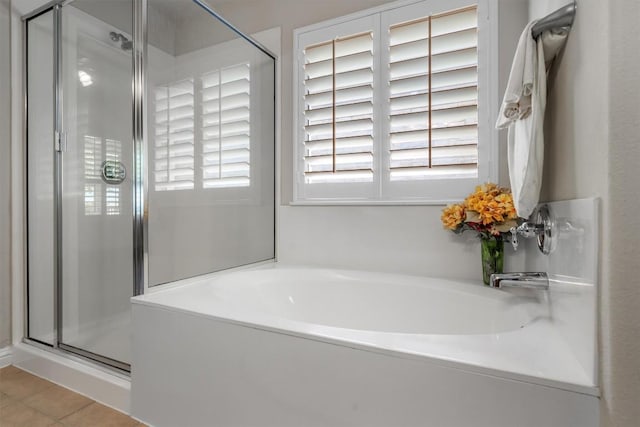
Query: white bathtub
x=280, y=346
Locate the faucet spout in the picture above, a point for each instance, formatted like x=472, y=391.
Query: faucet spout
x=538, y=280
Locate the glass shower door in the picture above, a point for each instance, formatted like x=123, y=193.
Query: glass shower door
x=97, y=212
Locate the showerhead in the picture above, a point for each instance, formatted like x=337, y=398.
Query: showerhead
x=125, y=43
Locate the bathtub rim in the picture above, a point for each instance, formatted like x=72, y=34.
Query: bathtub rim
x=540, y=329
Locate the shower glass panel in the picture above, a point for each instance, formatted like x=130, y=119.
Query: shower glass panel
x=41, y=178
x=97, y=218
x=210, y=133
x=110, y=210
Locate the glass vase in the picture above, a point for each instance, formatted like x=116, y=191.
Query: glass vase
x=492, y=256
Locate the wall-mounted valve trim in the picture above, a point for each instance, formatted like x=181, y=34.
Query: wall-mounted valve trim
x=542, y=227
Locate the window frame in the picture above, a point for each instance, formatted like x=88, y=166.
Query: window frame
x=382, y=191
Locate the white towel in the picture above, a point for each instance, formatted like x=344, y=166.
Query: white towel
x=516, y=104
x=526, y=142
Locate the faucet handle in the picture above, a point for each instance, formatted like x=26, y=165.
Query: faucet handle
x=541, y=227
x=526, y=229
x=529, y=229
x=514, y=238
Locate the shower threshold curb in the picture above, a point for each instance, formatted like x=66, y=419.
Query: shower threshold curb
x=88, y=379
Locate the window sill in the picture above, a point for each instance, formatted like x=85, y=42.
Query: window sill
x=373, y=202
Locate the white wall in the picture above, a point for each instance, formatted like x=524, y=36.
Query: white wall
x=620, y=334
x=404, y=239
x=575, y=128
x=5, y=176
x=592, y=150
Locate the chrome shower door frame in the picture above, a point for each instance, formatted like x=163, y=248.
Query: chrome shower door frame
x=139, y=191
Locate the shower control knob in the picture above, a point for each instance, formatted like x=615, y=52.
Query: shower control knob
x=541, y=227
x=514, y=238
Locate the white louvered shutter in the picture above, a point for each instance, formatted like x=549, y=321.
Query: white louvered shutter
x=394, y=105
x=433, y=97
x=338, y=110
x=174, y=136
x=226, y=127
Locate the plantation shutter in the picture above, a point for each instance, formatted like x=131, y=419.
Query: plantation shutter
x=433, y=97
x=390, y=108
x=338, y=110
x=226, y=127
x=174, y=136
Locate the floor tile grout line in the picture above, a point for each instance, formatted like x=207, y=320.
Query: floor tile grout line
x=51, y=385
x=54, y=420
x=22, y=399
x=75, y=412
x=33, y=409
x=91, y=402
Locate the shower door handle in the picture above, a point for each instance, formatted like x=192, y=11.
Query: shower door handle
x=113, y=172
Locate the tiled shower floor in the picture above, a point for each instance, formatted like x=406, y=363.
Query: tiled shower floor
x=30, y=401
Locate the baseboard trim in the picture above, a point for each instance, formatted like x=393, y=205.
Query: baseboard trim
x=82, y=377
x=6, y=356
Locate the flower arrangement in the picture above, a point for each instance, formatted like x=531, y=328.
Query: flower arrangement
x=489, y=211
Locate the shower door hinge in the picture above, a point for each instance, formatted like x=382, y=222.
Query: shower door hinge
x=61, y=142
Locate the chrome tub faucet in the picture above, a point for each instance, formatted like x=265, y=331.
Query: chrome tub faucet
x=537, y=280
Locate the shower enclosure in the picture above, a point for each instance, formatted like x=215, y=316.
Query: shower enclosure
x=150, y=158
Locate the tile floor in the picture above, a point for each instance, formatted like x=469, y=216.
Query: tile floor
x=30, y=401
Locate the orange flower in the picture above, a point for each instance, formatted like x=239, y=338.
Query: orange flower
x=488, y=211
x=506, y=204
x=452, y=216
x=492, y=204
